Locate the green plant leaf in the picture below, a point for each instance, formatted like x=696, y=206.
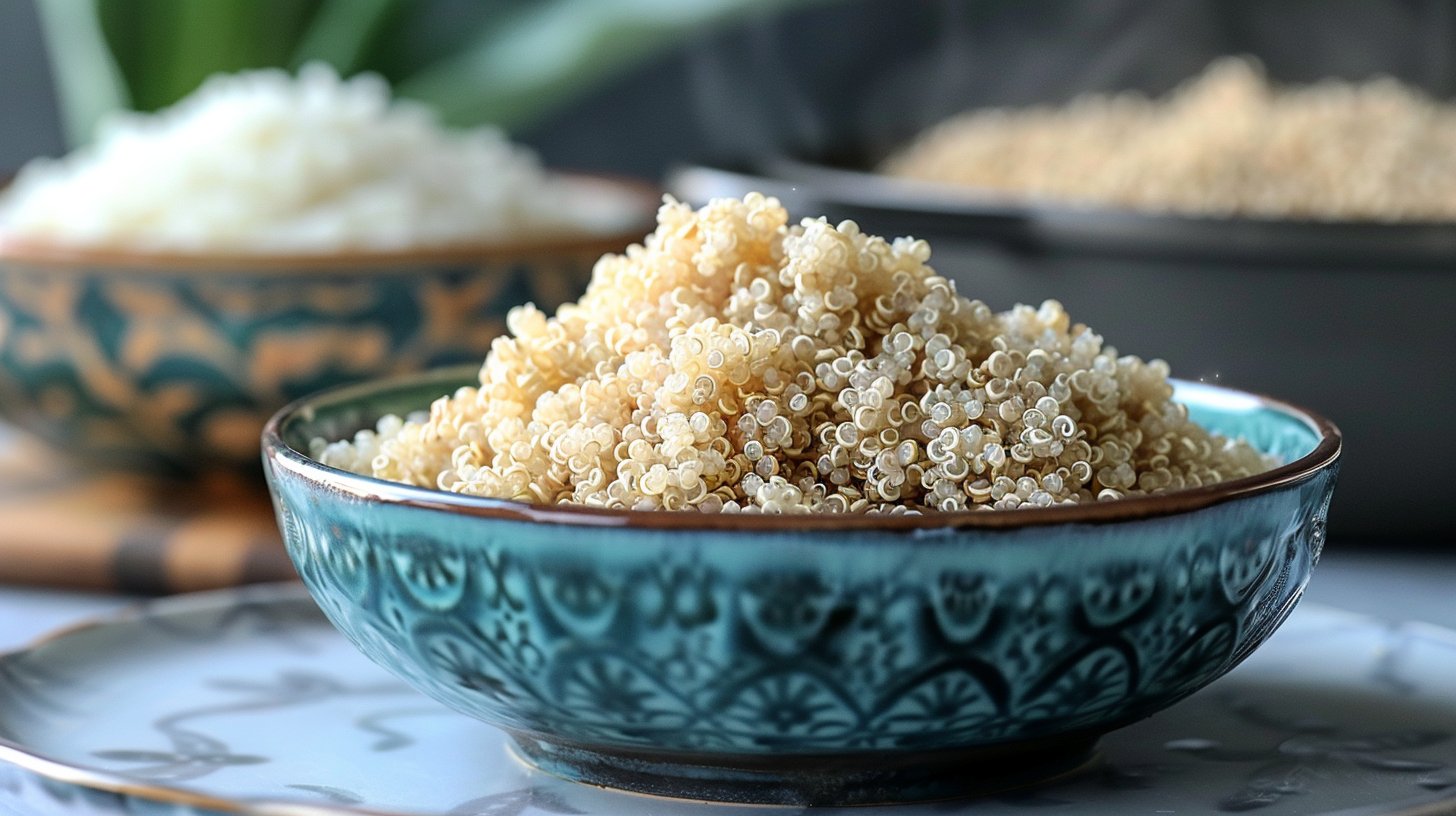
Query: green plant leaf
x=543, y=54
x=88, y=81
x=425, y=31
x=342, y=31
x=508, y=62
x=166, y=48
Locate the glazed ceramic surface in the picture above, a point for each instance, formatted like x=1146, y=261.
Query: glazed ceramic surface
x=755, y=659
x=251, y=701
x=169, y=361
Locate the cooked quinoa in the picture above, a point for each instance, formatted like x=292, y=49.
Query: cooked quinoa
x=1226, y=143
x=735, y=362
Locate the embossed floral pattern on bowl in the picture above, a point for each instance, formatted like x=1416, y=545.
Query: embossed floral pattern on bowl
x=804, y=659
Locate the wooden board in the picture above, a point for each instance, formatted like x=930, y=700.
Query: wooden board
x=63, y=524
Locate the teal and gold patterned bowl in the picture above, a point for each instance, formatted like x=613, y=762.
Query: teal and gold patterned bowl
x=804, y=659
x=173, y=360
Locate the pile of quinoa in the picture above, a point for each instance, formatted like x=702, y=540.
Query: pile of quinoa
x=1225, y=143
x=734, y=362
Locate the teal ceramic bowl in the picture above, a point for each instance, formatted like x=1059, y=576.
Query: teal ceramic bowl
x=176, y=361
x=807, y=659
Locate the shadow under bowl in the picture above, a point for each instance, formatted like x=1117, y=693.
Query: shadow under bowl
x=175, y=361
x=804, y=659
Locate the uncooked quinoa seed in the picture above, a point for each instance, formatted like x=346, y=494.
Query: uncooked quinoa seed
x=736, y=363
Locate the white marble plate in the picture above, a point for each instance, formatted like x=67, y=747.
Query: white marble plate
x=248, y=701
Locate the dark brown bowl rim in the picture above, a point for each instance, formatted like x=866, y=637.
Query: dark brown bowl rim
x=543, y=246
x=279, y=454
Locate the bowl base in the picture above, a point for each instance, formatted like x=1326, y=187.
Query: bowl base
x=826, y=780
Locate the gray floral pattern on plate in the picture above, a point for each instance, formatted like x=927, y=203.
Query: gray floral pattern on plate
x=250, y=700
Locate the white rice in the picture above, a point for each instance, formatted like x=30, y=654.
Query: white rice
x=265, y=162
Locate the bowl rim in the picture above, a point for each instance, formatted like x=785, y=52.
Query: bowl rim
x=1042, y=226
x=933, y=195
x=647, y=197
x=278, y=454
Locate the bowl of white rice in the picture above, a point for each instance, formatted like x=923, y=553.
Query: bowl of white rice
x=166, y=288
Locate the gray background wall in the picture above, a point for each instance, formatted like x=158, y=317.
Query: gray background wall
x=28, y=124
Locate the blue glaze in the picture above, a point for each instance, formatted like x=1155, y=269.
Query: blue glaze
x=753, y=664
